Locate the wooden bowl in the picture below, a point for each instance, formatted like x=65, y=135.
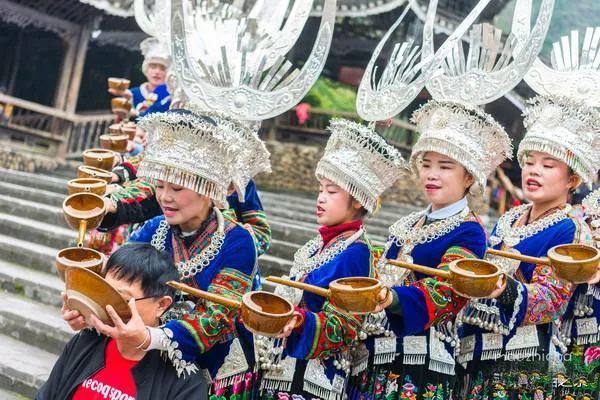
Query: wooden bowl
x=474, y=278
x=120, y=105
x=83, y=171
x=115, y=129
x=85, y=208
x=129, y=130
x=265, y=313
x=358, y=295
x=99, y=158
x=89, y=293
x=117, y=143
x=575, y=263
x=93, y=185
x=78, y=257
x=118, y=84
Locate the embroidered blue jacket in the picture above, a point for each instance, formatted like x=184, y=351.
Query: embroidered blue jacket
x=327, y=329
x=205, y=336
x=543, y=297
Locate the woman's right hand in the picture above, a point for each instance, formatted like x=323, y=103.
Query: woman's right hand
x=72, y=317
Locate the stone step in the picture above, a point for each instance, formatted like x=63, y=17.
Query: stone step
x=40, y=212
x=283, y=249
x=32, y=255
x=36, y=285
x=33, y=323
x=36, y=232
x=35, y=181
x=23, y=368
x=32, y=194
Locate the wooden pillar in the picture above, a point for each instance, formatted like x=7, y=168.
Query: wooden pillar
x=66, y=70
x=77, y=73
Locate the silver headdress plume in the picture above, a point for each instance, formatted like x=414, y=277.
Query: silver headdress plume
x=359, y=161
x=558, y=121
x=409, y=68
x=491, y=69
x=253, y=91
x=575, y=70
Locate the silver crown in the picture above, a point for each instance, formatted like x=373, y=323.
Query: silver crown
x=566, y=129
x=464, y=133
x=591, y=203
x=194, y=151
x=360, y=161
x=249, y=82
x=575, y=70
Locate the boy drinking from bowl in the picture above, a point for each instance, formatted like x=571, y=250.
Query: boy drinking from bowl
x=94, y=366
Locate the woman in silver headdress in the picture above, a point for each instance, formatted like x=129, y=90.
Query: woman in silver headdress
x=504, y=339
x=458, y=147
x=357, y=167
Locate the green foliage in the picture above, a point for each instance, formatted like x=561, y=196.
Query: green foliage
x=331, y=95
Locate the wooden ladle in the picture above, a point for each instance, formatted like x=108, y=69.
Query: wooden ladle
x=263, y=313
x=472, y=278
x=576, y=263
x=357, y=295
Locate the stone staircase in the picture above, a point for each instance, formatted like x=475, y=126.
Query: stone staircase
x=32, y=230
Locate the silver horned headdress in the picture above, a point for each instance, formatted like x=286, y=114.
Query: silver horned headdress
x=360, y=161
x=574, y=70
x=196, y=152
x=463, y=133
x=250, y=79
x=566, y=129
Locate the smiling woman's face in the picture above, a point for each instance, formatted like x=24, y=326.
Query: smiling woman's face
x=545, y=179
x=443, y=180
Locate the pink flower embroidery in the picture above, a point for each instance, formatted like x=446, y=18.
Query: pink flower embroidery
x=591, y=354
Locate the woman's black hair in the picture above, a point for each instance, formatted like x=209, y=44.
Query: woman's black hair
x=140, y=262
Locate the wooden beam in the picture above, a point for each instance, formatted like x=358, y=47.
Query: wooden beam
x=23, y=16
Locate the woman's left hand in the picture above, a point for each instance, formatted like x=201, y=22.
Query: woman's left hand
x=129, y=336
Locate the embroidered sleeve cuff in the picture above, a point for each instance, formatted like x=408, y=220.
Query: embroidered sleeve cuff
x=158, y=339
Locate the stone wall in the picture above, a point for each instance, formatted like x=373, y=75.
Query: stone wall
x=18, y=161
x=293, y=167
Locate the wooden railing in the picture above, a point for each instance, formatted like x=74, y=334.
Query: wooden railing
x=401, y=133
x=68, y=133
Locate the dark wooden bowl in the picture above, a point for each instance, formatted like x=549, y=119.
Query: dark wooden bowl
x=89, y=293
x=78, y=257
x=474, y=278
x=84, y=171
x=117, y=143
x=84, y=207
x=265, y=313
x=99, y=158
x=575, y=263
x=93, y=185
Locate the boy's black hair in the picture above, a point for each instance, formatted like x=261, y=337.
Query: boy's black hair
x=143, y=263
